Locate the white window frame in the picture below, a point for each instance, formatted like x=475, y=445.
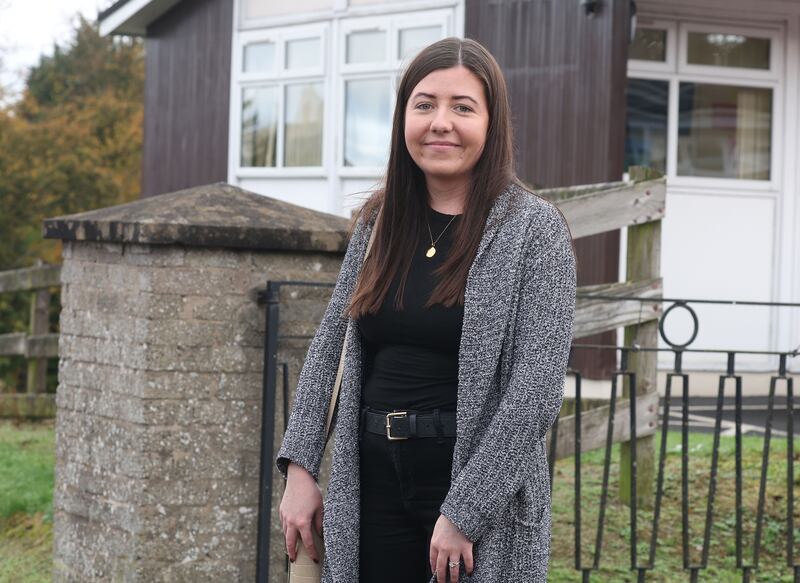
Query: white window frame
x=449, y=12
x=670, y=54
x=363, y=25
x=274, y=39
x=326, y=14
x=744, y=73
x=281, y=77
x=442, y=18
x=731, y=76
x=390, y=69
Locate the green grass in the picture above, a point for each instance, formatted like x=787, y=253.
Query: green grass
x=26, y=549
x=615, y=552
x=26, y=502
x=26, y=484
x=27, y=454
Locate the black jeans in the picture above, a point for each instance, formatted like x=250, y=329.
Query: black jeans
x=403, y=484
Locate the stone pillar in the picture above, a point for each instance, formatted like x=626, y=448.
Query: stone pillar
x=160, y=379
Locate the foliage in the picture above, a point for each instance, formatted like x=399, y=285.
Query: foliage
x=71, y=143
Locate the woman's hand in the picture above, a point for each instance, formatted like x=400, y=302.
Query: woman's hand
x=301, y=510
x=449, y=544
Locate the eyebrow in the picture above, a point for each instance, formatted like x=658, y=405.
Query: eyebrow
x=421, y=94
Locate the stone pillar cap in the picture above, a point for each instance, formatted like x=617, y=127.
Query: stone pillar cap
x=213, y=215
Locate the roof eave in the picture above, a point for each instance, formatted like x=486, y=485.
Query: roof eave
x=132, y=17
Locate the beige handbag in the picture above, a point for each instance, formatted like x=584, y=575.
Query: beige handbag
x=304, y=569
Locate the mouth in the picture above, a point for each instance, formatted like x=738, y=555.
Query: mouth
x=442, y=145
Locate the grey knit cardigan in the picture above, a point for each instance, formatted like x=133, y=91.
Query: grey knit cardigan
x=519, y=309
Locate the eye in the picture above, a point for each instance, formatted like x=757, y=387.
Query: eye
x=466, y=108
x=419, y=105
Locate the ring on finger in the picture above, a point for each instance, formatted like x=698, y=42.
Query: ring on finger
x=452, y=564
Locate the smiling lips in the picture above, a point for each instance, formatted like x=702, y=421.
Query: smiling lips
x=442, y=144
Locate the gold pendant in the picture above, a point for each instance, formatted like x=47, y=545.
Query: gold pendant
x=431, y=252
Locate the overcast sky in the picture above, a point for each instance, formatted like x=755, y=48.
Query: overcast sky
x=28, y=28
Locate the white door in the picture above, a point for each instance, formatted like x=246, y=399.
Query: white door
x=705, y=108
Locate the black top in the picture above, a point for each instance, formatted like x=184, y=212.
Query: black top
x=411, y=355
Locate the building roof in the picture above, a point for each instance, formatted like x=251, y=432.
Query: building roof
x=132, y=17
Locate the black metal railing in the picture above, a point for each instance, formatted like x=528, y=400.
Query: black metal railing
x=678, y=350
x=271, y=298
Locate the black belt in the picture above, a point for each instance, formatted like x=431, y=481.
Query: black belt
x=405, y=424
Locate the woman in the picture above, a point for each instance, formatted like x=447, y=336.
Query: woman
x=462, y=320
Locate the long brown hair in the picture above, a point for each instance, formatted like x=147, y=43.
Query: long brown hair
x=403, y=192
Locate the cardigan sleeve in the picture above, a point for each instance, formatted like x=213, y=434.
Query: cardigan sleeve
x=532, y=396
x=304, y=439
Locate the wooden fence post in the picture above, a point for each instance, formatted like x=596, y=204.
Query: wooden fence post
x=643, y=262
x=39, y=325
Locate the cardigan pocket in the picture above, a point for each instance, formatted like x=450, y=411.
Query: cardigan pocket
x=530, y=548
x=528, y=505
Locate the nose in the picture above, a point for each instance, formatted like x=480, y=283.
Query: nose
x=441, y=121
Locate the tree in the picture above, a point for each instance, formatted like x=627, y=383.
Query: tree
x=75, y=136
x=71, y=143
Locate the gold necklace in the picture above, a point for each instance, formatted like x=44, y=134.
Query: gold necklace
x=432, y=251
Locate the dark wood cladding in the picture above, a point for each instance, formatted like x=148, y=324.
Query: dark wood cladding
x=566, y=72
x=187, y=96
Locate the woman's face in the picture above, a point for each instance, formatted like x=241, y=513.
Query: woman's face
x=446, y=121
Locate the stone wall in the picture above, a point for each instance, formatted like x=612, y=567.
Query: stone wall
x=159, y=407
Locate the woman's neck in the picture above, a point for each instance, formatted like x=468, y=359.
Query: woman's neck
x=447, y=198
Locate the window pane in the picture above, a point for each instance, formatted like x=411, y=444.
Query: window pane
x=646, y=124
x=259, y=126
x=368, y=122
x=728, y=50
x=259, y=58
x=303, y=130
x=724, y=131
x=649, y=44
x=366, y=46
x=302, y=53
x=414, y=39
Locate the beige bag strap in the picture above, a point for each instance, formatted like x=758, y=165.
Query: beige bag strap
x=338, y=383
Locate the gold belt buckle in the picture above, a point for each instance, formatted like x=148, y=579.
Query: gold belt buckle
x=389, y=424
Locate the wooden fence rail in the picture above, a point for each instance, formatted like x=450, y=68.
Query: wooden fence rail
x=37, y=345
x=638, y=204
